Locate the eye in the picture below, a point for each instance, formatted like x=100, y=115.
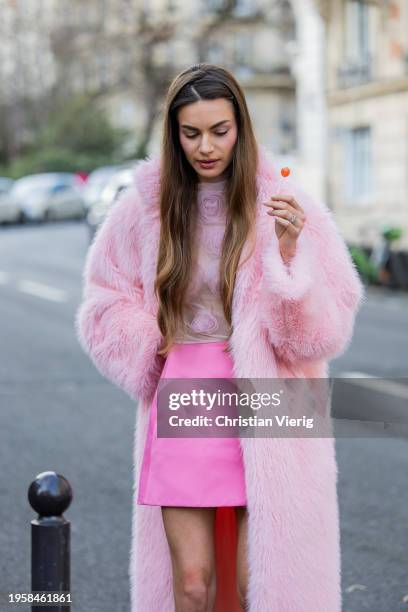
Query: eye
x=217, y=133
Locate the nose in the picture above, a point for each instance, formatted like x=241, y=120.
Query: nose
x=206, y=145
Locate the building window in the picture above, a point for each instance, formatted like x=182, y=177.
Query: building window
x=287, y=128
x=103, y=67
x=146, y=8
x=103, y=12
x=215, y=53
x=359, y=164
x=240, y=8
x=243, y=53
x=244, y=8
x=357, y=29
x=213, y=5
x=357, y=64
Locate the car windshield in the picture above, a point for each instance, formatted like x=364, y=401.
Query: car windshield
x=36, y=184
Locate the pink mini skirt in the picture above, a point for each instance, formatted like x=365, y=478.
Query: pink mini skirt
x=192, y=472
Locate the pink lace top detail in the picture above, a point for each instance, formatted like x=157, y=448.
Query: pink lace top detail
x=203, y=313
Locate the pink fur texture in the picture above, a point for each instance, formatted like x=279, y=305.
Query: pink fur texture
x=288, y=320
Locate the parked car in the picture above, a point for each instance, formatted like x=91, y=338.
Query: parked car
x=47, y=196
x=95, y=183
x=97, y=211
x=5, y=184
x=8, y=212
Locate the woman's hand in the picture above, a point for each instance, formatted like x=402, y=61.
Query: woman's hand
x=290, y=219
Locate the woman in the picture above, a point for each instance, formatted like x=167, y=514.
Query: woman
x=266, y=538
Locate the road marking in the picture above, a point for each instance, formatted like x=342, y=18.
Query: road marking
x=389, y=387
x=4, y=277
x=355, y=374
x=42, y=291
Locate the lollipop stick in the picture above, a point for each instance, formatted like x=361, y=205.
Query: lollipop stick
x=284, y=173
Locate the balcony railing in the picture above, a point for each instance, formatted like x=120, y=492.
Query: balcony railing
x=354, y=72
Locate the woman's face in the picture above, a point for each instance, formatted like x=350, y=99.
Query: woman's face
x=208, y=131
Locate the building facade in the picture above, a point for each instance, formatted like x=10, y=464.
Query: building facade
x=367, y=99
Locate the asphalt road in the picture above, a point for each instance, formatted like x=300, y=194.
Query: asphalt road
x=58, y=413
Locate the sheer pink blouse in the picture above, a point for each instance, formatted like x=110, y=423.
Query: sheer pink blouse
x=203, y=313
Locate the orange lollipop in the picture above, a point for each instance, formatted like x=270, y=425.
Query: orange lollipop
x=285, y=171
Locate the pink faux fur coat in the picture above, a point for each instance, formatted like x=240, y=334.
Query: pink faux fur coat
x=287, y=323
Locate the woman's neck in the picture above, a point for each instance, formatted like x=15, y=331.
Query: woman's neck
x=221, y=178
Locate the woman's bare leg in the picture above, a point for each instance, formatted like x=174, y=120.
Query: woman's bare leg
x=190, y=535
x=242, y=555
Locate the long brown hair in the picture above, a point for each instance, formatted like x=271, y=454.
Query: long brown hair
x=178, y=193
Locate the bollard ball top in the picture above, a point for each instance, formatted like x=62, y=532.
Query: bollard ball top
x=50, y=494
x=285, y=171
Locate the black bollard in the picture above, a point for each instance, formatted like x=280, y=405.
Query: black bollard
x=50, y=494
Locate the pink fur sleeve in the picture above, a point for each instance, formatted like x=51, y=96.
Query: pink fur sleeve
x=314, y=298
x=112, y=325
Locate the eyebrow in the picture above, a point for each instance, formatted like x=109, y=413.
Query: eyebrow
x=190, y=127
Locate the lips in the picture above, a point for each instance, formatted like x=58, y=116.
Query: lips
x=207, y=162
